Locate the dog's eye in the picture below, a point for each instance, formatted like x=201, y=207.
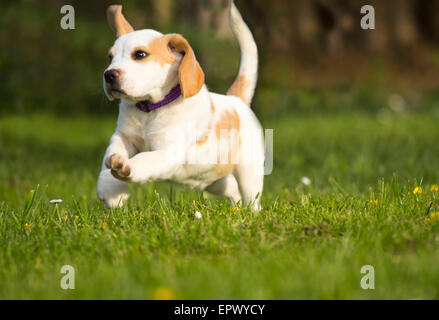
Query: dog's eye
x=110, y=58
x=139, y=55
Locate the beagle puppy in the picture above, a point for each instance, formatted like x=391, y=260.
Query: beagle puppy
x=170, y=127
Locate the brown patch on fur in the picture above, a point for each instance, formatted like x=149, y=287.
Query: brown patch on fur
x=117, y=21
x=190, y=73
x=229, y=121
x=239, y=88
x=205, y=137
x=158, y=51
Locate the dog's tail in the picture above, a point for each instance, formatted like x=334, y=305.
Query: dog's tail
x=245, y=84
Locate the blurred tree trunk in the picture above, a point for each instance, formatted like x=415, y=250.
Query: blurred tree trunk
x=427, y=18
x=214, y=15
x=311, y=33
x=404, y=24
x=329, y=25
x=163, y=12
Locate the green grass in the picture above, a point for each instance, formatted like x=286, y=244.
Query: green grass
x=308, y=242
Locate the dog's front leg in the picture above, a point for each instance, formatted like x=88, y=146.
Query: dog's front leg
x=149, y=166
x=110, y=190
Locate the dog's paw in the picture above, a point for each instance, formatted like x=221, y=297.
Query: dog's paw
x=113, y=193
x=117, y=201
x=120, y=169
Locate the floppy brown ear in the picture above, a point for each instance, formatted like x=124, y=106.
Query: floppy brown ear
x=117, y=21
x=190, y=73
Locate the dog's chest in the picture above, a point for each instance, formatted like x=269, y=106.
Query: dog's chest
x=188, y=133
x=147, y=131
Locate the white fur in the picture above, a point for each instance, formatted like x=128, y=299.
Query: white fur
x=160, y=145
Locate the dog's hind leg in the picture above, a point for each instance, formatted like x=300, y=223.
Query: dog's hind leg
x=226, y=187
x=250, y=183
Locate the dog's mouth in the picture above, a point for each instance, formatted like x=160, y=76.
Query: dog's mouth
x=118, y=92
x=114, y=93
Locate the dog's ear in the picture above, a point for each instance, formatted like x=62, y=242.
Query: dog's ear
x=190, y=73
x=117, y=21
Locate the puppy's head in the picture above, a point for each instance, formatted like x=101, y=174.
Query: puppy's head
x=146, y=65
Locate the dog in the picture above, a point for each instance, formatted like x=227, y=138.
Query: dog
x=170, y=127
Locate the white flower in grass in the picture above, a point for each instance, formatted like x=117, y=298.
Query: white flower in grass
x=56, y=201
x=198, y=215
x=397, y=103
x=305, y=181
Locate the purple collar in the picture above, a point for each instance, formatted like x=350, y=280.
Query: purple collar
x=147, y=106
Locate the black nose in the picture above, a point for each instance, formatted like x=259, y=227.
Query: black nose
x=111, y=75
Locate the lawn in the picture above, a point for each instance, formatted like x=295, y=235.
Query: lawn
x=308, y=241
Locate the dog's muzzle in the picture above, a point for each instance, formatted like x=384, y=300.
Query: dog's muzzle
x=111, y=76
x=112, y=81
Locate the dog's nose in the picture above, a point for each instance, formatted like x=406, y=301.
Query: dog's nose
x=111, y=75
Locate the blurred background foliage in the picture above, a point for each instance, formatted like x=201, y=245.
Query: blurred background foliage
x=314, y=55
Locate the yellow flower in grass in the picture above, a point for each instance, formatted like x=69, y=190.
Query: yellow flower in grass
x=27, y=227
x=433, y=218
x=434, y=188
x=375, y=202
x=163, y=293
x=418, y=191
x=104, y=225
